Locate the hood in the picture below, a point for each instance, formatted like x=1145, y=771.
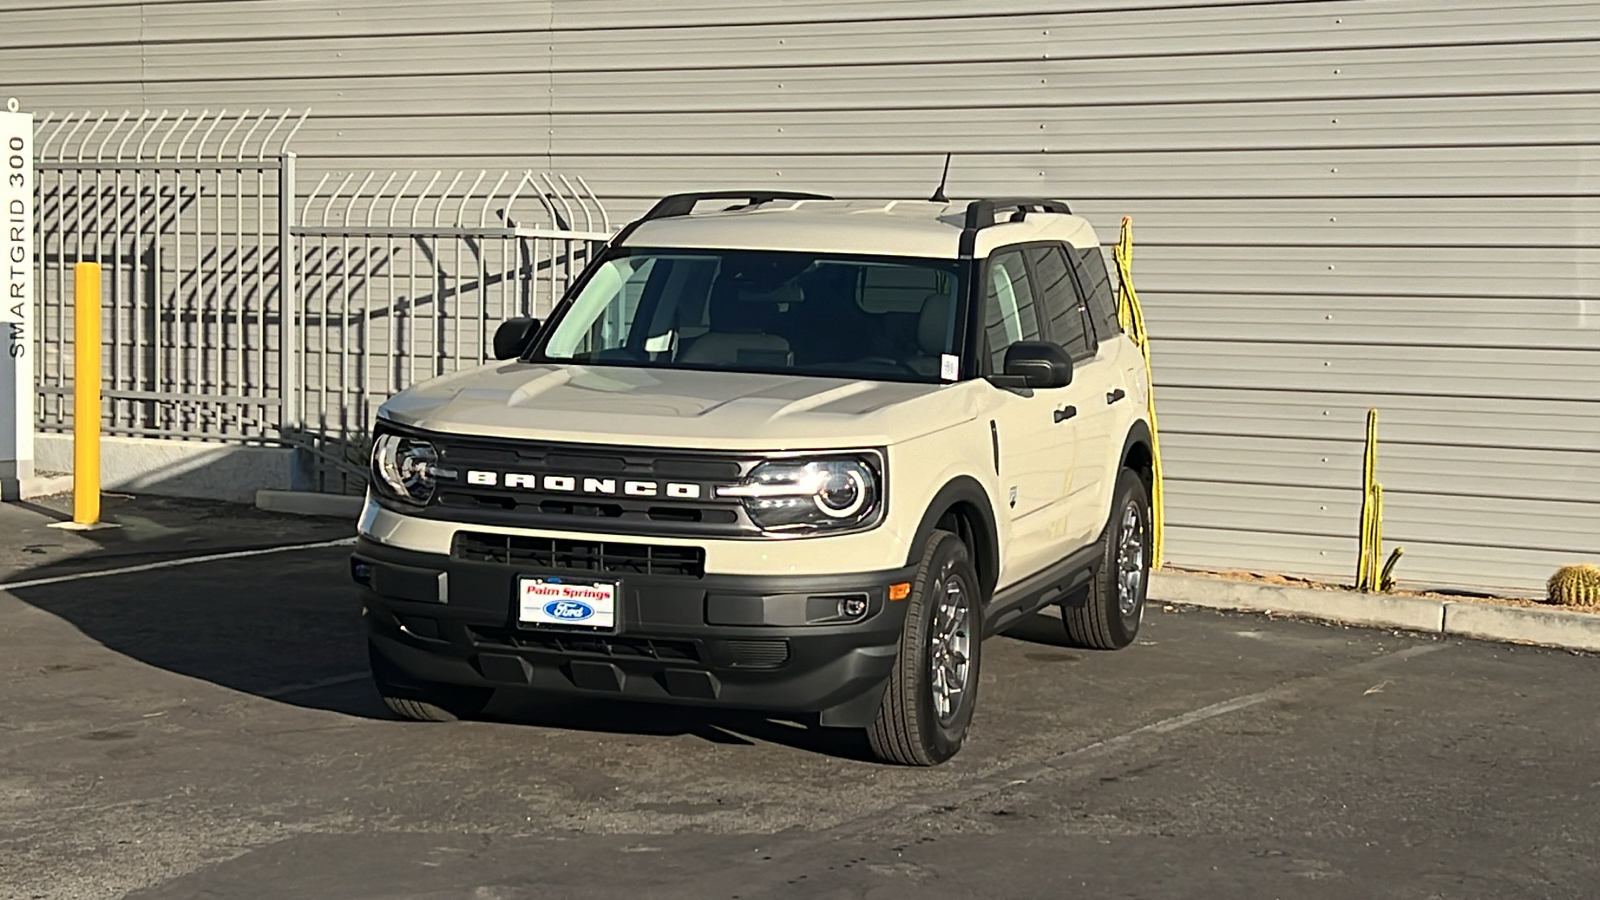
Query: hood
x=674, y=407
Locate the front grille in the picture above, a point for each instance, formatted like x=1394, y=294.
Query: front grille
x=594, y=645
x=623, y=490
x=600, y=557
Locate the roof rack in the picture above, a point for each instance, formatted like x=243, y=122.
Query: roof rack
x=683, y=204
x=981, y=213
x=675, y=205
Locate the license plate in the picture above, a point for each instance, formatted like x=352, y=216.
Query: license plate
x=567, y=602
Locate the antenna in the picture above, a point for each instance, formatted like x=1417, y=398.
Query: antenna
x=938, y=194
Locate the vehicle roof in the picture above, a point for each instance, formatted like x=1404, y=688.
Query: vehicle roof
x=914, y=228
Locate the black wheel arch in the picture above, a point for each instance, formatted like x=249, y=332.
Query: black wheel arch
x=1138, y=453
x=963, y=506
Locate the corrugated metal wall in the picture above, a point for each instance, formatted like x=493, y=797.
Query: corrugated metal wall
x=1343, y=204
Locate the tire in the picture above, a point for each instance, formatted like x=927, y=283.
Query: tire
x=911, y=728
x=1110, y=619
x=422, y=701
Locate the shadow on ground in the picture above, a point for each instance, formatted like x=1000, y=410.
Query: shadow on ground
x=283, y=626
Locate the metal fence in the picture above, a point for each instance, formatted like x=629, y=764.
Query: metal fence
x=405, y=276
x=186, y=216
x=235, y=312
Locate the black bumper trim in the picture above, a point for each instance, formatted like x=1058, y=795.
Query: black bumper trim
x=666, y=647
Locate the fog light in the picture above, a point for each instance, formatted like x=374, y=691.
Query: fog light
x=361, y=572
x=852, y=608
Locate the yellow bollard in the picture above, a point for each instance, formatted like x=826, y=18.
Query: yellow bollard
x=86, y=396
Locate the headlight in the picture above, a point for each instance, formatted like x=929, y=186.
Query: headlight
x=404, y=468
x=825, y=494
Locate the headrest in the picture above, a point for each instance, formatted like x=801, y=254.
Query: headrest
x=737, y=306
x=934, y=325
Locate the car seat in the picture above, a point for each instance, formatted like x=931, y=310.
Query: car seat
x=741, y=321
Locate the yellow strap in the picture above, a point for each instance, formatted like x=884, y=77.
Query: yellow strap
x=1371, y=538
x=1132, y=319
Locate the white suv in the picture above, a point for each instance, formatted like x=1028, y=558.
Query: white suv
x=787, y=454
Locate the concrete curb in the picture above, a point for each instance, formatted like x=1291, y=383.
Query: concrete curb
x=1552, y=627
x=307, y=503
x=1484, y=621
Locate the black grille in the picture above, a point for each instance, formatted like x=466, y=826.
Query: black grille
x=755, y=654
x=594, y=494
x=601, y=557
x=594, y=645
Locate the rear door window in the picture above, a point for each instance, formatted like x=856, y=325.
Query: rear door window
x=1062, y=306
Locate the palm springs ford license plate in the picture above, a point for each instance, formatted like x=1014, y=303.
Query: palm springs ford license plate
x=568, y=602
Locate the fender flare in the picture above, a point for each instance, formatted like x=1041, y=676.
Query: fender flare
x=963, y=489
x=1138, y=434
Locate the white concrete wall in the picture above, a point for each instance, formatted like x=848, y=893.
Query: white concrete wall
x=178, y=468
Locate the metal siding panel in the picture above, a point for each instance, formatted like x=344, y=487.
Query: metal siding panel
x=627, y=171
x=1063, y=128
x=1156, y=32
x=227, y=21
x=1472, y=421
x=1444, y=470
x=1509, y=272
x=1484, y=222
x=1461, y=521
x=344, y=57
x=1431, y=252
x=1386, y=319
x=41, y=28
x=676, y=13
x=1493, y=70
x=1530, y=375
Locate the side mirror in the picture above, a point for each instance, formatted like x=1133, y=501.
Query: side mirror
x=514, y=336
x=1039, y=364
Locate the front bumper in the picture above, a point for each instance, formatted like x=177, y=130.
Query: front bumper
x=735, y=641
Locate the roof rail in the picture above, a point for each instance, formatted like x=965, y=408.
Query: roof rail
x=675, y=205
x=683, y=204
x=981, y=213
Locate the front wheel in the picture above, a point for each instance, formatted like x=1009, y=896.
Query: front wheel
x=1110, y=619
x=932, y=691
x=421, y=701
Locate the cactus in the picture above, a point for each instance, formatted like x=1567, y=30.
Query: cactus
x=1575, y=585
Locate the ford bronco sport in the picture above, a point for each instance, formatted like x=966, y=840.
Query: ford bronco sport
x=784, y=453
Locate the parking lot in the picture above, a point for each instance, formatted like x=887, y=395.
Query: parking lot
x=206, y=730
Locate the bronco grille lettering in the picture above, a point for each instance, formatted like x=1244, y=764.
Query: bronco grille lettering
x=569, y=484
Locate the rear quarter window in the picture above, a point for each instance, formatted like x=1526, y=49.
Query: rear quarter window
x=1090, y=263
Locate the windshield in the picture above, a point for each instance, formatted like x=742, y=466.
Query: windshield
x=877, y=318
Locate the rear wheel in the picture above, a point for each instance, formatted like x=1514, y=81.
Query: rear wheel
x=1110, y=619
x=932, y=691
x=424, y=701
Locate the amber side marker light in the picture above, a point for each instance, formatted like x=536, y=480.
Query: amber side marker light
x=900, y=591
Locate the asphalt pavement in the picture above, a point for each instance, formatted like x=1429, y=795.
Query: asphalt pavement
x=205, y=730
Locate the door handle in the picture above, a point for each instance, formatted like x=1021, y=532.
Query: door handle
x=1114, y=396
x=1065, y=413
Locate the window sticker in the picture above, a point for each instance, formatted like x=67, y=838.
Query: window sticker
x=949, y=367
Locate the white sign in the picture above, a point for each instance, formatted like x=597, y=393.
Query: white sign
x=16, y=299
